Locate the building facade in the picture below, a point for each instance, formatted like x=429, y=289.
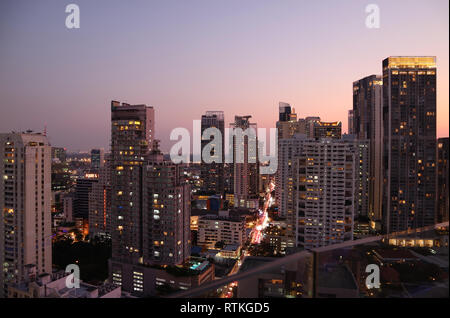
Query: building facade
x=25, y=200
x=212, y=174
x=409, y=117
x=368, y=125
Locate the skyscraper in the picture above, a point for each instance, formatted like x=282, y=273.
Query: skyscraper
x=132, y=134
x=324, y=180
x=212, y=174
x=245, y=172
x=100, y=205
x=25, y=200
x=97, y=158
x=284, y=111
x=368, y=125
x=442, y=180
x=288, y=152
x=350, y=122
x=409, y=117
x=167, y=221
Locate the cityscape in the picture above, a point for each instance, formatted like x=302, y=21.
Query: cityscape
x=330, y=206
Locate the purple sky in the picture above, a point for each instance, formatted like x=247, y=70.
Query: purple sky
x=188, y=56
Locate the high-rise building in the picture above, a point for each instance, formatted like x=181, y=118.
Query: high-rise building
x=323, y=129
x=284, y=112
x=245, y=173
x=368, y=125
x=409, y=117
x=288, y=151
x=99, y=204
x=83, y=187
x=442, y=180
x=212, y=174
x=324, y=182
x=318, y=178
x=132, y=134
x=350, y=122
x=97, y=158
x=362, y=176
x=59, y=153
x=166, y=223
x=288, y=125
x=309, y=125
x=25, y=201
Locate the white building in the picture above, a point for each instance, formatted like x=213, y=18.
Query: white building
x=317, y=179
x=213, y=229
x=325, y=177
x=25, y=201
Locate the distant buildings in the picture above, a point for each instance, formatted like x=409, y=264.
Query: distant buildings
x=245, y=172
x=83, y=187
x=288, y=125
x=212, y=174
x=350, y=121
x=59, y=153
x=97, y=158
x=323, y=129
x=25, y=199
x=409, y=117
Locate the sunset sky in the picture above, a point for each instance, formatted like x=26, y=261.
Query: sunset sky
x=185, y=57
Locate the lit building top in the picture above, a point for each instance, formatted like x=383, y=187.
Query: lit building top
x=411, y=62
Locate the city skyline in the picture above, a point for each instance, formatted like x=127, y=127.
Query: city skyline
x=253, y=58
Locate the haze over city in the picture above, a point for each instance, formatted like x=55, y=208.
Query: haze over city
x=187, y=57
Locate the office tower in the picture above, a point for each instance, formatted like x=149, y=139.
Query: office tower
x=245, y=173
x=324, y=181
x=99, y=199
x=212, y=174
x=409, y=117
x=132, y=134
x=97, y=158
x=25, y=199
x=323, y=129
x=350, y=122
x=83, y=187
x=59, y=153
x=309, y=125
x=368, y=125
x=442, y=180
x=284, y=112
